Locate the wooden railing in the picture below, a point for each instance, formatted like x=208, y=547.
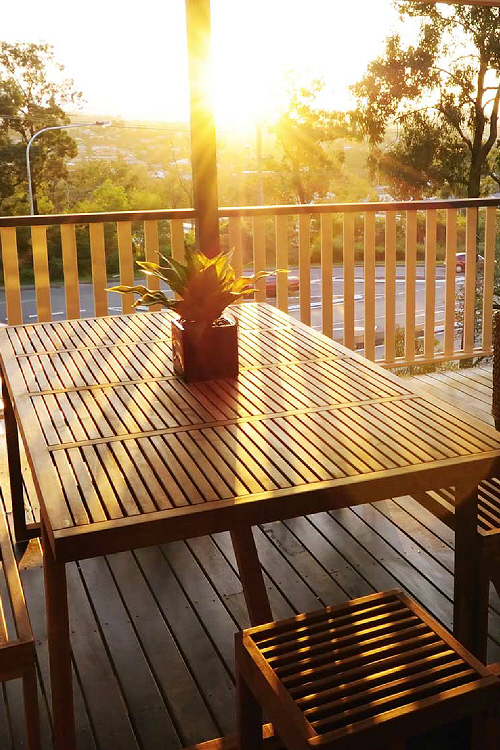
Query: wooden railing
x=342, y=246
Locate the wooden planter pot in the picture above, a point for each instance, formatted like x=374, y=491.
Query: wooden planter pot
x=214, y=355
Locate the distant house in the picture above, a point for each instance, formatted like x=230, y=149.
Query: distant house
x=383, y=195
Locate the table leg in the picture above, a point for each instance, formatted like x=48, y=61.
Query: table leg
x=14, y=461
x=470, y=616
x=56, y=603
x=254, y=589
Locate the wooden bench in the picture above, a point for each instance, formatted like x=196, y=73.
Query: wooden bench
x=372, y=672
x=17, y=645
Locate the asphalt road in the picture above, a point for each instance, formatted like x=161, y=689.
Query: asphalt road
x=87, y=305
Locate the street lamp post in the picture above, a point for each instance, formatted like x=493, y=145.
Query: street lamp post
x=44, y=130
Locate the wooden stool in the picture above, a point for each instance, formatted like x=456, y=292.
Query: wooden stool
x=17, y=645
x=370, y=673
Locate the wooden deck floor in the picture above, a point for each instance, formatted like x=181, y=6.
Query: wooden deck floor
x=152, y=631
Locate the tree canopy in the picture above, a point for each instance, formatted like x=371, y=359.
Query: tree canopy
x=304, y=133
x=33, y=93
x=429, y=109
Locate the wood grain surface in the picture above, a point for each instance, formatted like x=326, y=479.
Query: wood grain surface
x=125, y=454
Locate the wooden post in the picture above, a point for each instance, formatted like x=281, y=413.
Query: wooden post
x=203, y=142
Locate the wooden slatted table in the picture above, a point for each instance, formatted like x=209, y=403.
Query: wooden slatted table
x=125, y=455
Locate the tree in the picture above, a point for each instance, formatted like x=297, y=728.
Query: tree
x=29, y=101
x=430, y=110
x=303, y=133
x=107, y=197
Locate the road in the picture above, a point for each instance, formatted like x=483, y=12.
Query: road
x=87, y=305
x=338, y=300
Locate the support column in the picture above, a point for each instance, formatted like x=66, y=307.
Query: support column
x=203, y=140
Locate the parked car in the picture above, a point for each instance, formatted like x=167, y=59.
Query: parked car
x=460, y=262
x=293, y=285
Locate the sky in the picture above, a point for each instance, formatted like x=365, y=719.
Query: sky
x=129, y=59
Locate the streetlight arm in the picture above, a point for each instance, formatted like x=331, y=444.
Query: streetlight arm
x=44, y=130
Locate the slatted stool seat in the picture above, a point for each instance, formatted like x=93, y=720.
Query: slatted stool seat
x=371, y=673
x=17, y=645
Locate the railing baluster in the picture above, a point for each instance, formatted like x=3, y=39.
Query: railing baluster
x=305, y=268
x=259, y=256
x=177, y=242
x=11, y=275
x=282, y=262
x=369, y=269
x=126, y=258
x=450, y=292
x=326, y=275
x=348, y=265
x=390, y=286
x=470, y=278
x=99, y=275
x=151, y=248
x=177, y=234
x=430, y=283
x=488, y=272
x=235, y=244
x=70, y=271
x=411, y=267
x=41, y=272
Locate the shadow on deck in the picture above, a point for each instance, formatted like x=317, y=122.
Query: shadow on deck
x=152, y=630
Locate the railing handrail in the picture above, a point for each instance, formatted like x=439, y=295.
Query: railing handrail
x=96, y=218
x=231, y=211
x=324, y=208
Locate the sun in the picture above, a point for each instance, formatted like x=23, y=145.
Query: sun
x=255, y=43
x=239, y=105
x=247, y=63
x=244, y=95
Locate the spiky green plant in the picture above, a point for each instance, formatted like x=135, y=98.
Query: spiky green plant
x=205, y=286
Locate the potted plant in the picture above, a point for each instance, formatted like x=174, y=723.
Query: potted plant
x=204, y=341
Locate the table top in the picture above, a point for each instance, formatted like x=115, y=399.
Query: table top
x=124, y=453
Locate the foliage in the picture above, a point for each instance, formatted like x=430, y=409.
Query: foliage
x=205, y=286
x=429, y=110
x=106, y=197
x=31, y=100
x=303, y=132
x=400, y=350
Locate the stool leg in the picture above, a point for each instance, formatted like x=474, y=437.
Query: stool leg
x=485, y=731
x=30, y=691
x=248, y=715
